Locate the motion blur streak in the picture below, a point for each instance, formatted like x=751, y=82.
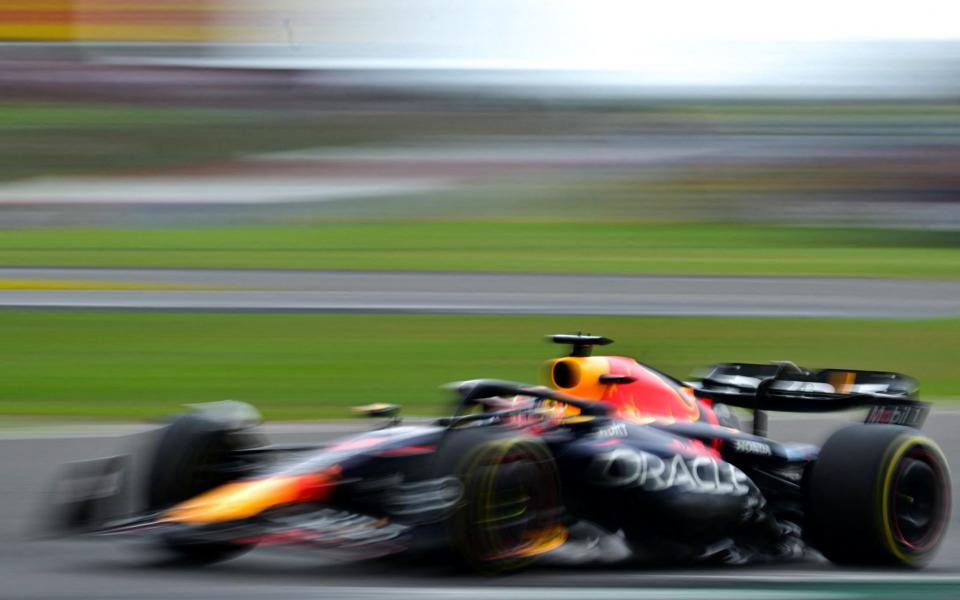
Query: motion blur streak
x=111, y=20
x=317, y=204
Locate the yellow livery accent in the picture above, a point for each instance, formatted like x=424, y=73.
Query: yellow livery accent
x=634, y=392
x=244, y=499
x=541, y=542
x=890, y=464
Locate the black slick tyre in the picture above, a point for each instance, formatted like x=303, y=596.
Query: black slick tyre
x=878, y=495
x=511, y=506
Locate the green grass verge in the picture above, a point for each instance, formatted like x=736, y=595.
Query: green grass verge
x=66, y=138
x=141, y=364
x=506, y=247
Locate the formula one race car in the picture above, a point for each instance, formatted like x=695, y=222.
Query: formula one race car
x=661, y=463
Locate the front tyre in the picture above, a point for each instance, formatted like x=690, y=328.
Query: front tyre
x=511, y=506
x=196, y=453
x=878, y=495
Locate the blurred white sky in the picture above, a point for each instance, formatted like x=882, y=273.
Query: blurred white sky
x=616, y=33
x=768, y=20
x=631, y=43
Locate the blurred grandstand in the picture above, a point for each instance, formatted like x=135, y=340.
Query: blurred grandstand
x=444, y=110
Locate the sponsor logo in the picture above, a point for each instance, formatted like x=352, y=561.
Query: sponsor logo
x=424, y=497
x=626, y=467
x=617, y=430
x=752, y=447
x=911, y=416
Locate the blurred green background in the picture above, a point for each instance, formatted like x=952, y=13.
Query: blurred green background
x=720, y=215
x=503, y=246
x=141, y=364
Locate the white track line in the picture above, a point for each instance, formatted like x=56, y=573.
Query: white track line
x=557, y=593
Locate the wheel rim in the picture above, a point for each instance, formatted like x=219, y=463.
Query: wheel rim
x=919, y=501
x=515, y=517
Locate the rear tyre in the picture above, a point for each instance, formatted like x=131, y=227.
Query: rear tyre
x=878, y=495
x=196, y=453
x=511, y=507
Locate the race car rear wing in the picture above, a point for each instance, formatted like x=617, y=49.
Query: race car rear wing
x=785, y=387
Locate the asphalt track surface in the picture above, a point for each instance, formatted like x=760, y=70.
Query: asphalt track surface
x=84, y=569
x=414, y=292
